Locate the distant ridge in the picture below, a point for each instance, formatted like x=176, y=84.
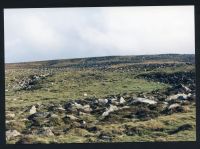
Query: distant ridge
x=190, y=58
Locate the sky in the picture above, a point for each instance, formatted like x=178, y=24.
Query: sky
x=35, y=34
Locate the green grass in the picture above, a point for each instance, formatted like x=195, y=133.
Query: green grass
x=72, y=84
x=148, y=131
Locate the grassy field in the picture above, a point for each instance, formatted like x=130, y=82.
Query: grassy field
x=99, y=78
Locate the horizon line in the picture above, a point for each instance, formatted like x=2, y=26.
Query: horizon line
x=94, y=57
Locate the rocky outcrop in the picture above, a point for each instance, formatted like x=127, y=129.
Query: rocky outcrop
x=170, y=78
x=30, y=82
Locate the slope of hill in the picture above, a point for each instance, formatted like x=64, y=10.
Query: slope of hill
x=108, y=60
x=101, y=99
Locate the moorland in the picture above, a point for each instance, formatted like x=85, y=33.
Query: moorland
x=101, y=99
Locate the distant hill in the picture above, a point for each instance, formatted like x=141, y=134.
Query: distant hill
x=107, y=60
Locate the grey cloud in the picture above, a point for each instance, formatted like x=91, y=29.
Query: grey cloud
x=54, y=33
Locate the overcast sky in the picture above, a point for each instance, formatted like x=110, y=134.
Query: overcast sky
x=61, y=33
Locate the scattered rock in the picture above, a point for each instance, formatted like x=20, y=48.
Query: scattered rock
x=10, y=116
x=60, y=109
x=105, y=137
x=78, y=106
x=82, y=113
x=38, y=114
x=113, y=101
x=47, y=132
x=164, y=105
x=191, y=97
x=124, y=107
x=33, y=110
x=76, y=112
x=83, y=123
x=177, y=96
x=181, y=88
x=144, y=100
x=172, y=78
x=71, y=117
x=10, y=121
x=68, y=105
x=54, y=116
x=121, y=100
x=30, y=82
x=103, y=101
x=86, y=108
x=186, y=89
x=110, y=109
x=174, y=106
x=37, y=105
x=11, y=134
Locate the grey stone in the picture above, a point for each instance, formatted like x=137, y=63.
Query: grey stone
x=33, y=110
x=47, y=132
x=121, y=100
x=177, y=96
x=173, y=106
x=103, y=101
x=10, y=115
x=110, y=109
x=144, y=100
x=72, y=117
x=11, y=134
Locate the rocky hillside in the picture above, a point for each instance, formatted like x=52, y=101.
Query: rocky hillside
x=126, y=100
x=105, y=61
